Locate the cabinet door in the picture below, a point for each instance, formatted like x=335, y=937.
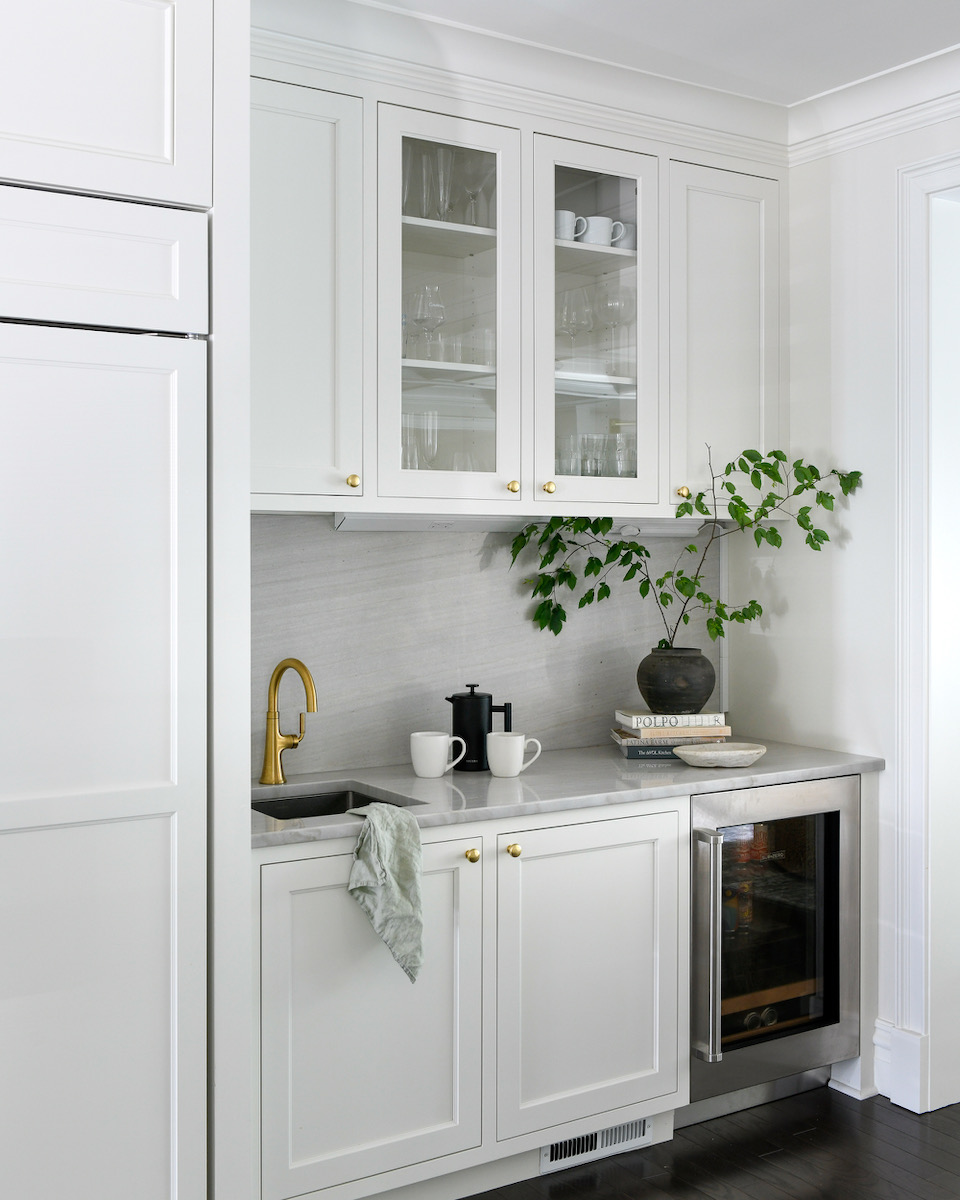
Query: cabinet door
x=598, y=422
x=588, y=992
x=103, y=792
x=109, y=96
x=306, y=293
x=362, y=1071
x=724, y=320
x=449, y=283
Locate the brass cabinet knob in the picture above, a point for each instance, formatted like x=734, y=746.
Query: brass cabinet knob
x=353, y=481
x=514, y=850
x=684, y=492
x=513, y=485
x=472, y=855
x=550, y=487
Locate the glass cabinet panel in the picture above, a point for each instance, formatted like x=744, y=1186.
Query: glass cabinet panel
x=450, y=391
x=779, y=927
x=598, y=431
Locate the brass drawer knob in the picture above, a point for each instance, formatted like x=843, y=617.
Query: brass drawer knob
x=514, y=850
x=550, y=487
x=353, y=481
x=684, y=492
x=513, y=485
x=472, y=855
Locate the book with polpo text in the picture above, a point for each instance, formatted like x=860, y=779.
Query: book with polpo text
x=636, y=718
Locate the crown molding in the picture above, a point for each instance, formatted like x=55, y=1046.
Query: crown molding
x=270, y=46
x=862, y=133
x=900, y=101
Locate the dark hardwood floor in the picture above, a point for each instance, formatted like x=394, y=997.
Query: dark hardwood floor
x=820, y=1145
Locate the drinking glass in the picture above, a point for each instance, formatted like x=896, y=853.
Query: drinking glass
x=426, y=198
x=613, y=306
x=445, y=158
x=427, y=314
x=409, y=454
x=476, y=170
x=428, y=437
x=407, y=173
x=574, y=315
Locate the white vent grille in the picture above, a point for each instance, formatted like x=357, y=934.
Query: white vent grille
x=615, y=1140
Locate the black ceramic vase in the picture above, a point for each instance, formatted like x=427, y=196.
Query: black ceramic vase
x=677, y=679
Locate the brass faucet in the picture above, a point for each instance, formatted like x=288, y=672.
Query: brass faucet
x=276, y=741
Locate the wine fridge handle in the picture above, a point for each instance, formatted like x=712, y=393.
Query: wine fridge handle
x=705, y=965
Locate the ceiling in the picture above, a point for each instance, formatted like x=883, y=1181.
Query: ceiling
x=783, y=51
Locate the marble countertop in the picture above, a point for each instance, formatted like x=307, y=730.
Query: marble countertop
x=558, y=780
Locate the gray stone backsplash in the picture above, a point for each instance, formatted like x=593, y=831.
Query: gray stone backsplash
x=391, y=623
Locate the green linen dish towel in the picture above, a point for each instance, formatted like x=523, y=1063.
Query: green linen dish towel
x=385, y=881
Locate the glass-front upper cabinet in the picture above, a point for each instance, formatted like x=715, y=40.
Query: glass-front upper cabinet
x=598, y=417
x=449, y=295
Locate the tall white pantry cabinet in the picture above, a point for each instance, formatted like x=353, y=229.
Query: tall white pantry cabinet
x=103, y=317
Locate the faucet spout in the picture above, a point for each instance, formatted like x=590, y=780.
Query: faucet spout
x=276, y=742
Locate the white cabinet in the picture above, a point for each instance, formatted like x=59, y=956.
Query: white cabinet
x=363, y=1072
x=501, y=362
x=449, y=307
x=589, y=950
x=599, y=428
x=554, y=966
x=80, y=261
x=725, y=319
x=103, y=794
x=110, y=96
x=306, y=293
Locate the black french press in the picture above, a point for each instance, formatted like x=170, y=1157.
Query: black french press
x=473, y=720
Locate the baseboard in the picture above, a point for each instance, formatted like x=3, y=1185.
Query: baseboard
x=903, y=1066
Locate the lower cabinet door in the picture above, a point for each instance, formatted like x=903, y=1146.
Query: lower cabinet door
x=588, y=997
x=362, y=1071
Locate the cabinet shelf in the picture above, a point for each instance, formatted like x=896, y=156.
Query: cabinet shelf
x=579, y=259
x=421, y=370
x=422, y=236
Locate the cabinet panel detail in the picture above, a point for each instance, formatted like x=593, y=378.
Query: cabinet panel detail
x=344, y=1032
x=110, y=96
x=103, y=459
x=307, y=287
x=75, y=260
x=87, y=1030
x=587, y=971
x=724, y=318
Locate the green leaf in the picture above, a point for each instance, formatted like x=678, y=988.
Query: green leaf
x=778, y=455
x=594, y=566
x=685, y=618
x=631, y=572
x=603, y=591
x=825, y=500
x=692, y=549
x=666, y=598
x=756, y=479
x=685, y=586
x=544, y=585
x=753, y=456
x=774, y=538
x=685, y=509
x=644, y=587
x=612, y=554
x=714, y=628
x=702, y=506
x=586, y=598
x=557, y=619
x=759, y=535
x=850, y=481
x=606, y=524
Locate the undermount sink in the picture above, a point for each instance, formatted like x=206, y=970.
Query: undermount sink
x=323, y=804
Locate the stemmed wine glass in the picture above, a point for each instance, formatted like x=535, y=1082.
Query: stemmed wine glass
x=613, y=306
x=427, y=315
x=477, y=168
x=574, y=315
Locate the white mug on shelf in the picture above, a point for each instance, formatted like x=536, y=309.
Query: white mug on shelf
x=601, y=231
x=629, y=239
x=505, y=753
x=429, y=752
x=567, y=225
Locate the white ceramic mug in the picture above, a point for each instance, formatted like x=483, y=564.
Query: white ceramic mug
x=601, y=231
x=429, y=752
x=505, y=753
x=629, y=239
x=567, y=224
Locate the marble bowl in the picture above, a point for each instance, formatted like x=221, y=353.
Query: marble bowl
x=730, y=754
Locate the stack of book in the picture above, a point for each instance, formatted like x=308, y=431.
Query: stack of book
x=642, y=734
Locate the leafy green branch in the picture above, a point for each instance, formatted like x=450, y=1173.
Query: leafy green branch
x=578, y=552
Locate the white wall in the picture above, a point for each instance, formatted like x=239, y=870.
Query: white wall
x=826, y=671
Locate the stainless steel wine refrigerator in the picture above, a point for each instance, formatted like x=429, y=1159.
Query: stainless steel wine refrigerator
x=776, y=941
